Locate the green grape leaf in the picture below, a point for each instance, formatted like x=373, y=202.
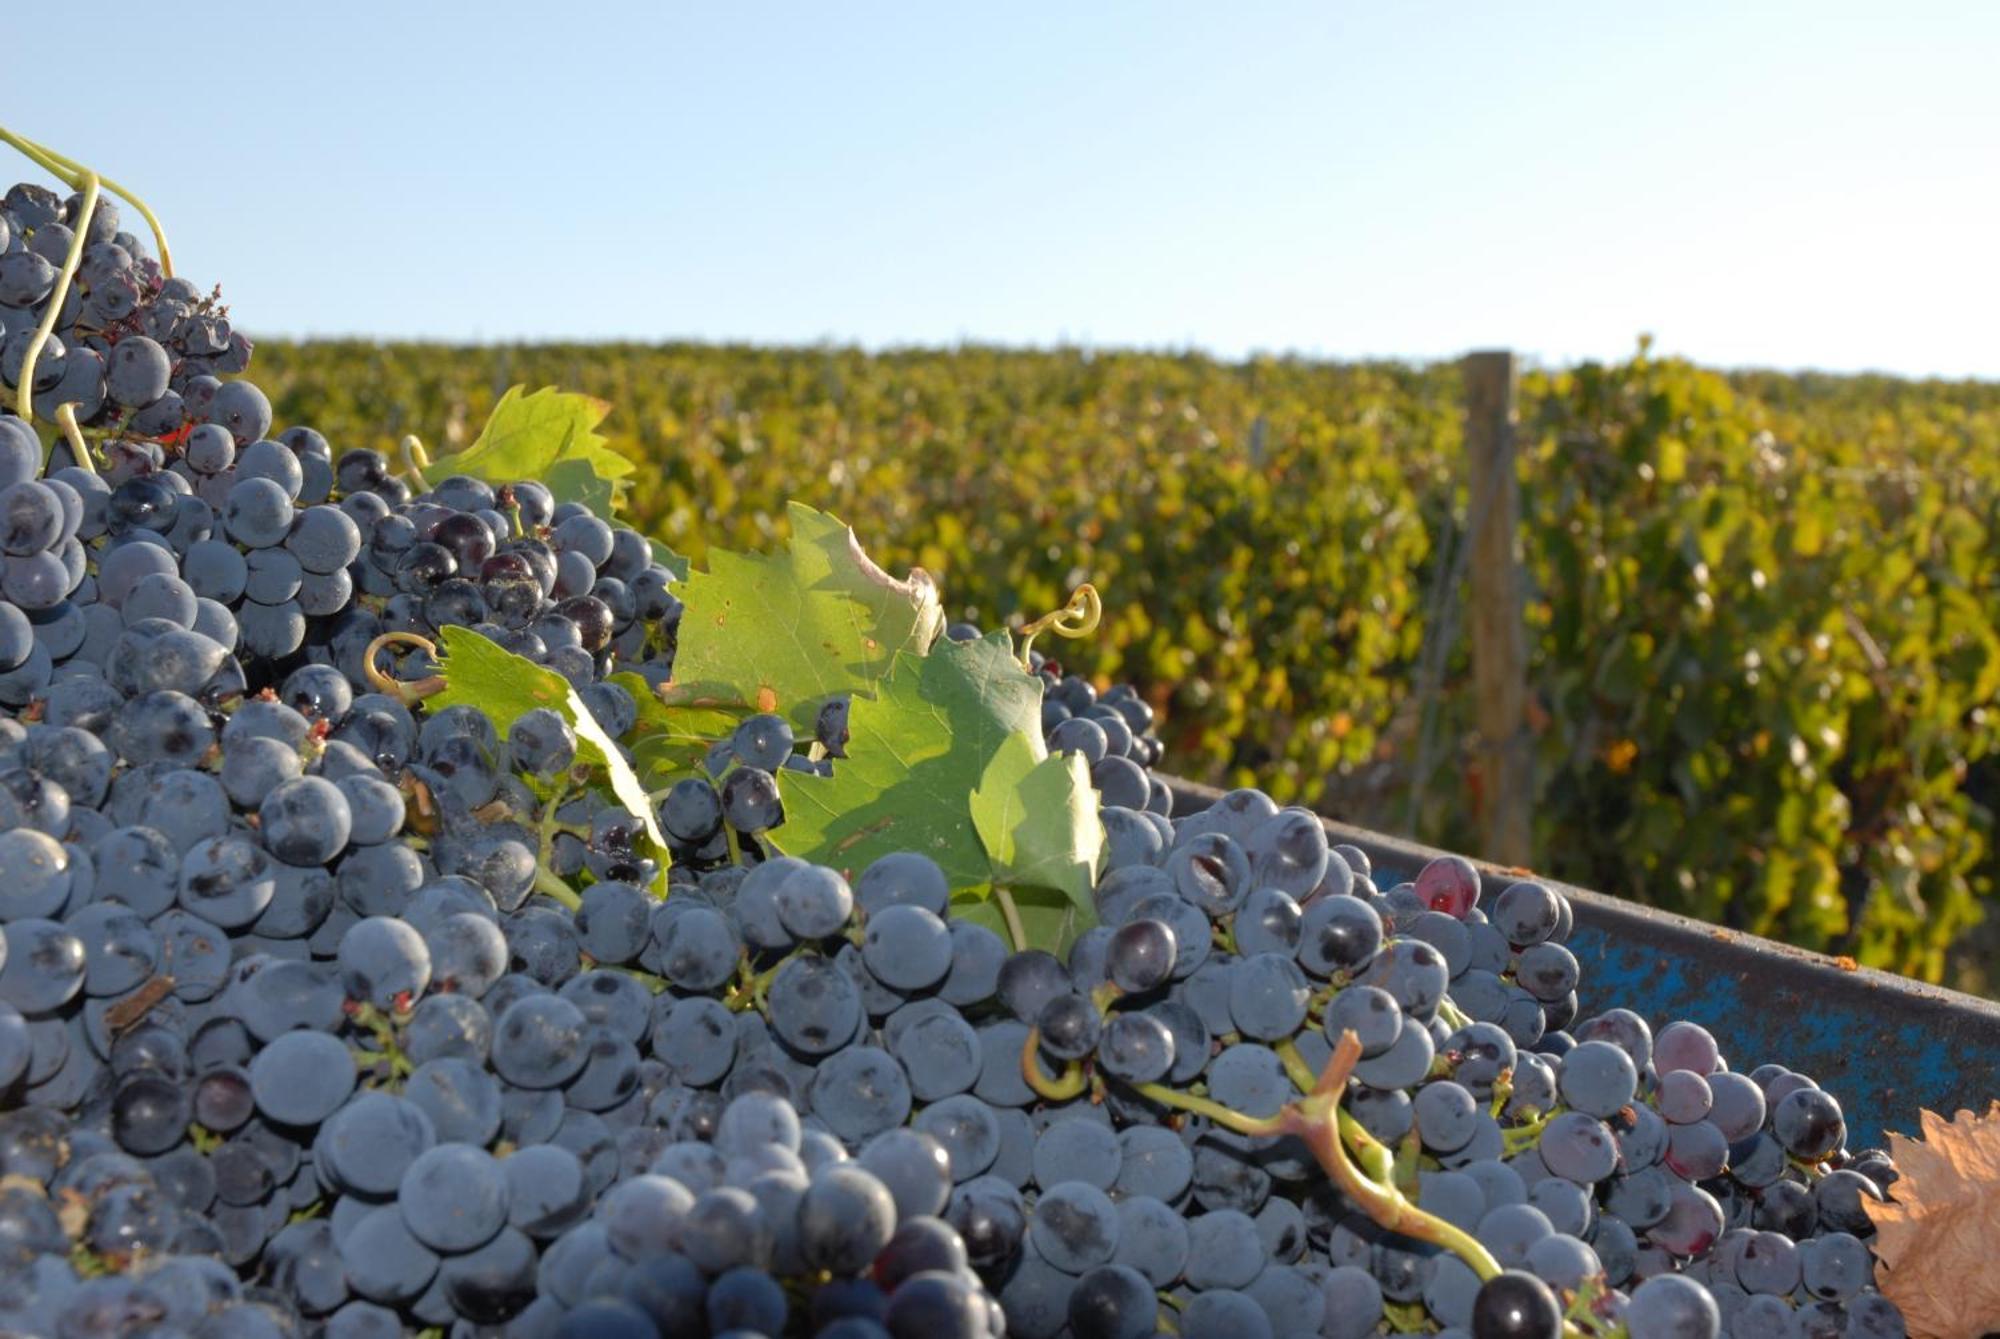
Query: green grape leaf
x=946, y=758
x=786, y=631
x=549, y=435
x=671, y=736
x=670, y=560
x=1049, y=920
x=1037, y=817
x=575, y=480
x=478, y=672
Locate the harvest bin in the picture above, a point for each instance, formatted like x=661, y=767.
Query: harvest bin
x=1884, y=1045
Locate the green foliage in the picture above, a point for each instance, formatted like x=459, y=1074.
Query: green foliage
x=1036, y=815
x=1763, y=616
x=947, y=759
x=552, y=436
x=786, y=631
x=478, y=672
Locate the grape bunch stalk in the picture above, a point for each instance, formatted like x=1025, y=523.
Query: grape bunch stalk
x=335, y=1004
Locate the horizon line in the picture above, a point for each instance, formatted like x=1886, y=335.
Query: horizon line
x=1533, y=360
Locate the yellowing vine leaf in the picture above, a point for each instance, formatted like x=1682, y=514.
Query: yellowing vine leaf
x=1935, y=1239
x=785, y=631
x=549, y=435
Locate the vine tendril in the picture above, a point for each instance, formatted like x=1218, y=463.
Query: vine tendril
x=1078, y=618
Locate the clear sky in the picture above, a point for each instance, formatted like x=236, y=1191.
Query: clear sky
x=1787, y=184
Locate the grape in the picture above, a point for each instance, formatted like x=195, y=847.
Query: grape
x=763, y=741
x=20, y=450
x=1068, y=1027
x=861, y=1091
x=453, y=1198
x=914, y=1167
x=1672, y=1307
x=1808, y=1123
x=845, y=1219
x=16, y=1046
x=1137, y=1048
x=1515, y=1305
x=301, y=1078
x=1268, y=922
x=43, y=967
x=1141, y=954
x=17, y=637
x=1449, y=884
x=906, y=947
x=1404, y=1063
x=31, y=518
x=541, y=742
x=383, y=960
x=700, y=1037
x=1115, y=1302
x=1267, y=996
x=967, y=1129
x=750, y=800
x=1211, y=871
x=257, y=513
x=1077, y=1150
x=240, y=407
x=1028, y=981
x=1338, y=934
x=384, y=1262
x=1597, y=1078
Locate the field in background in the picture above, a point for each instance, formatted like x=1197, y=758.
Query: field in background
x=1764, y=610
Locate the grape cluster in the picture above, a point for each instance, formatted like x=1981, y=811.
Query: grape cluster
x=132, y=351
x=251, y=1015
x=42, y=559
x=1632, y=1174
x=327, y=1013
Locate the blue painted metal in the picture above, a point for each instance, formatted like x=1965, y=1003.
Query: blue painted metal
x=1884, y=1045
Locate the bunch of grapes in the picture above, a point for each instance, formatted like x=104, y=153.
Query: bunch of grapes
x=1531, y=1168
x=325, y=1012
x=131, y=349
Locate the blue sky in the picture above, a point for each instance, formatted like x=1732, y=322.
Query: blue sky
x=1782, y=184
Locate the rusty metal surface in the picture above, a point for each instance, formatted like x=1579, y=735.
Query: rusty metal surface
x=1885, y=1045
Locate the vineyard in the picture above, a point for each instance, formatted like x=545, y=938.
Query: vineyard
x=1764, y=622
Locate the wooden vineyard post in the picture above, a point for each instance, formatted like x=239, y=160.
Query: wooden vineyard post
x=1499, y=629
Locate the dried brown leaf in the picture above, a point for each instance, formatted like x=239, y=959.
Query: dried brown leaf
x=1934, y=1240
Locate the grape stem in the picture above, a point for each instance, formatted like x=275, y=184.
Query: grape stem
x=64, y=277
x=1374, y=1156
x=1078, y=618
x=549, y=885
x=1315, y=1119
x=1367, y=1177
x=1409, y=1160
x=655, y=984
x=1295, y=1065
x=71, y=173
x=1011, y=914
x=66, y=417
x=753, y=990
x=1524, y=1137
